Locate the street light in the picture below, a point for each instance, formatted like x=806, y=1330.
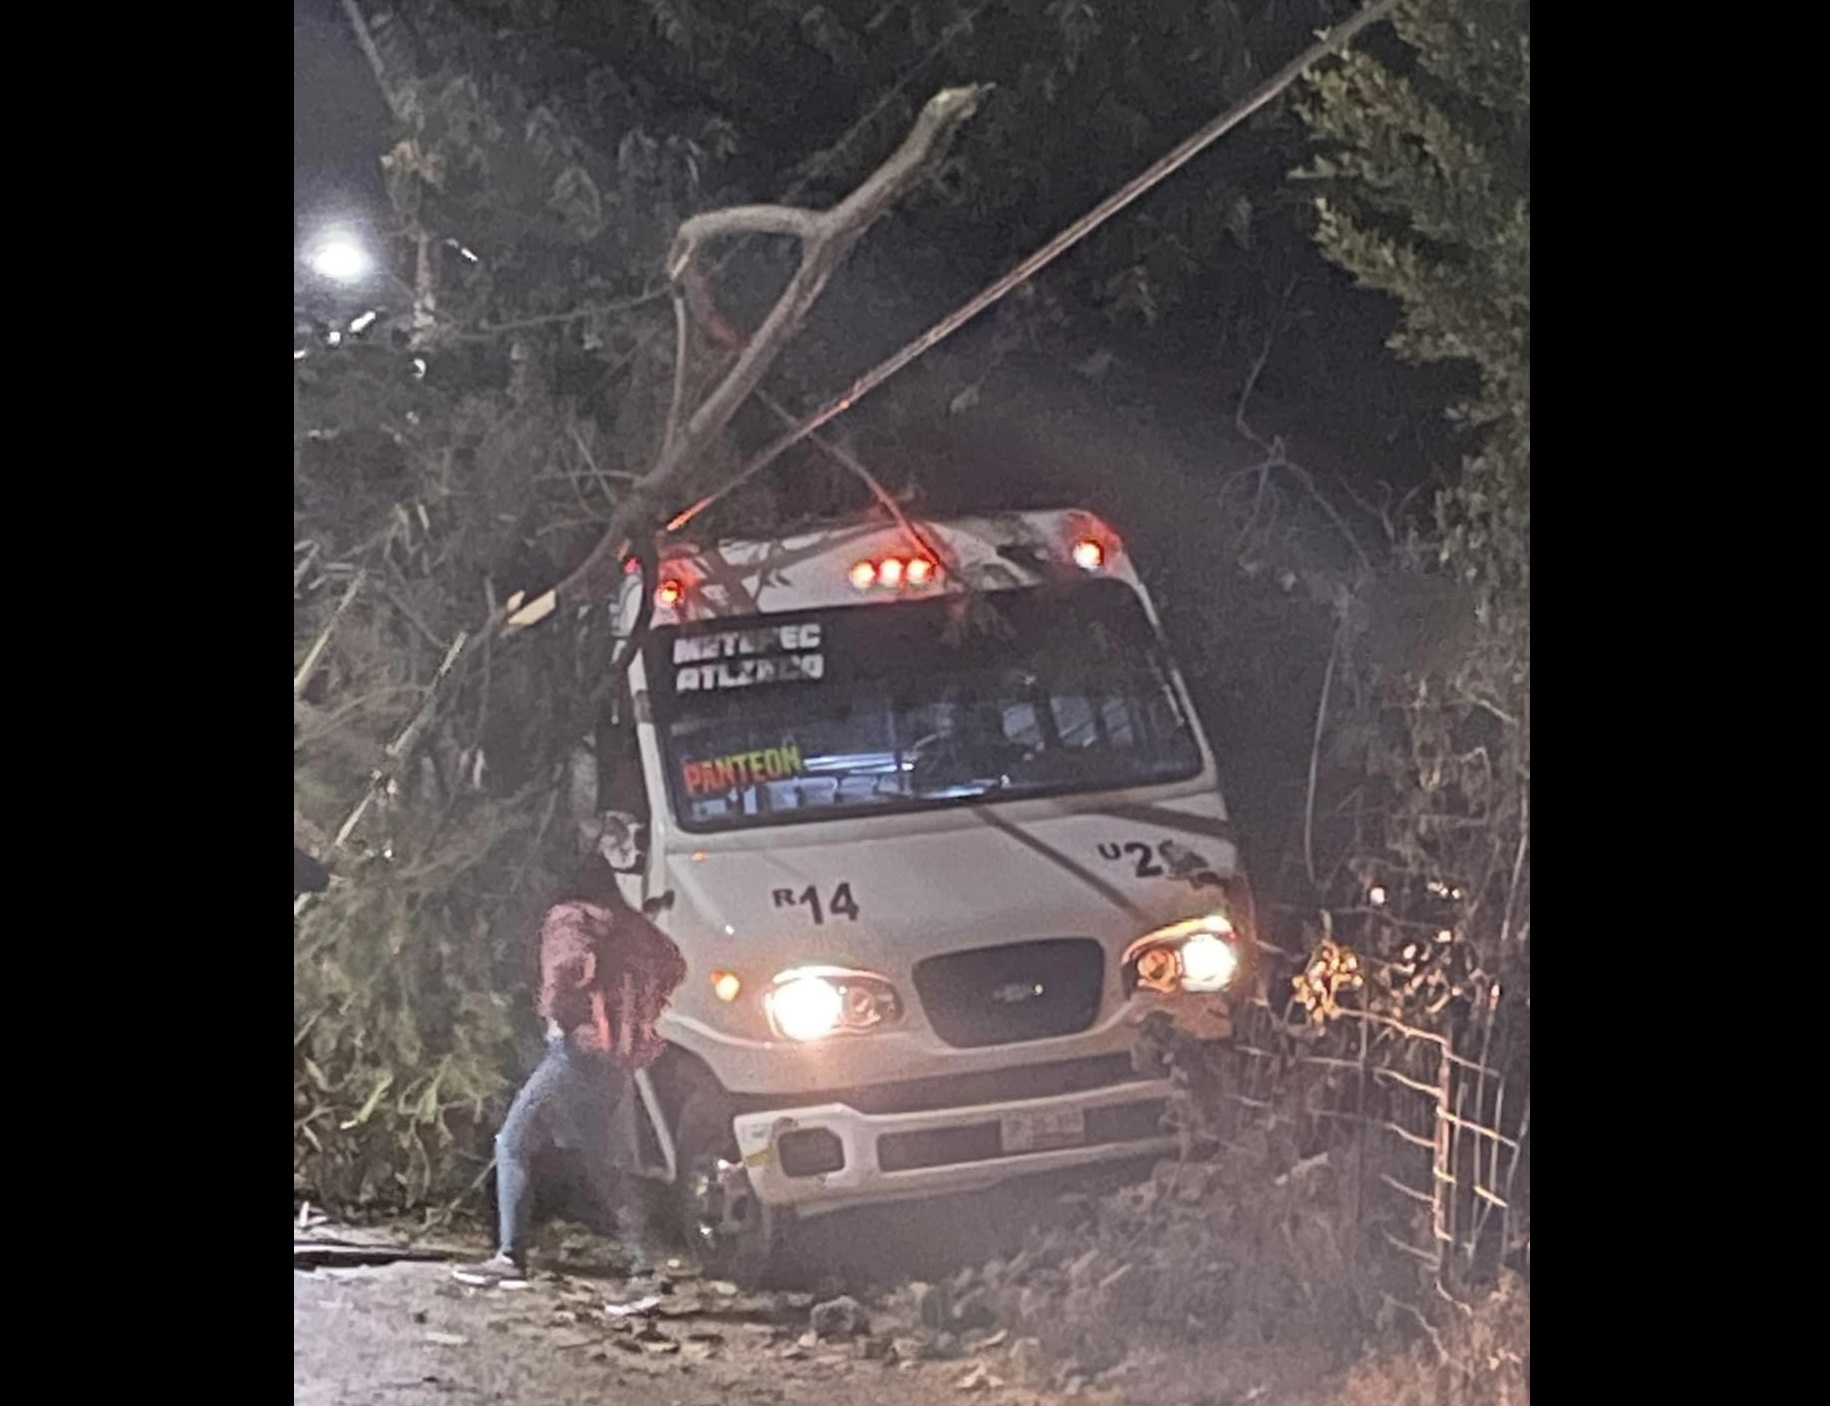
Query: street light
x=339, y=257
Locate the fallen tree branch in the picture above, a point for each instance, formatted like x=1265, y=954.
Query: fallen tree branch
x=695, y=301
x=1330, y=42
x=735, y=220
x=826, y=237
x=332, y=1254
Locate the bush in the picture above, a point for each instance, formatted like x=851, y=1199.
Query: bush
x=411, y=1007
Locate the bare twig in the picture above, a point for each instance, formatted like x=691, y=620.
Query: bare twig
x=1258, y=364
x=304, y=565
x=824, y=161
x=1315, y=751
x=1382, y=514
x=1518, y=866
x=354, y=818
x=403, y=744
x=336, y=716
x=1331, y=42
x=533, y=850
x=601, y=475
x=408, y=613
x=553, y=319
x=676, y=406
x=1277, y=455
x=1429, y=1328
x=444, y=1215
x=1332, y=513
x=846, y=459
x=302, y=675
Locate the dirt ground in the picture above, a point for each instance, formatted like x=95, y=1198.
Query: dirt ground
x=407, y=1334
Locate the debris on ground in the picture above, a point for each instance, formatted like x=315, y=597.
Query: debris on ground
x=840, y=1319
x=931, y=1305
x=335, y=1254
x=635, y=1308
x=972, y=1311
x=1212, y=1284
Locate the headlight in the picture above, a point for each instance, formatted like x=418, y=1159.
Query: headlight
x=1208, y=963
x=806, y=1007
x=810, y=1003
x=1204, y=955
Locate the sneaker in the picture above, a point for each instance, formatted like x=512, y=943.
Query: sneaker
x=500, y=1271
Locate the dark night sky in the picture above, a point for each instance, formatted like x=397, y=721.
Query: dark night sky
x=341, y=127
x=339, y=121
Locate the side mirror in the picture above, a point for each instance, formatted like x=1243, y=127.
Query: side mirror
x=619, y=841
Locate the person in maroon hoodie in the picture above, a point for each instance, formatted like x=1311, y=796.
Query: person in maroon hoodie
x=606, y=974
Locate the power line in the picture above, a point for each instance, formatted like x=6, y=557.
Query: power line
x=1330, y=42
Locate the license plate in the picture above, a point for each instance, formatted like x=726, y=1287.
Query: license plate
x=1037, y=1132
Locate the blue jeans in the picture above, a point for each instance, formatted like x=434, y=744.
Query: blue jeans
x=569, y=1103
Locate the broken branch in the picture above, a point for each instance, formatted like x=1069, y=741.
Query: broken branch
x=826, y=237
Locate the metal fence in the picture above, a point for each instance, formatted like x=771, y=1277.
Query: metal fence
x=1433, y=1140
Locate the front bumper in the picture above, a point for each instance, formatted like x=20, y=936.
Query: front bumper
x=830, y=1156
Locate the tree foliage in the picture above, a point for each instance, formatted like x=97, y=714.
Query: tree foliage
x=442, y=461
x=464, y=435
x=1423, y=161
x=1426, y=164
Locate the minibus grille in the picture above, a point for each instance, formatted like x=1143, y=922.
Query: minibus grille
x=1011, y=994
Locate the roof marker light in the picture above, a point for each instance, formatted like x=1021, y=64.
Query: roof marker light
x=920, y=572
x=889, y=572
x=1089, y=554
x=864, y=575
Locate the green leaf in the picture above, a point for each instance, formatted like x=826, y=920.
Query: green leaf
x=369, y=1105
